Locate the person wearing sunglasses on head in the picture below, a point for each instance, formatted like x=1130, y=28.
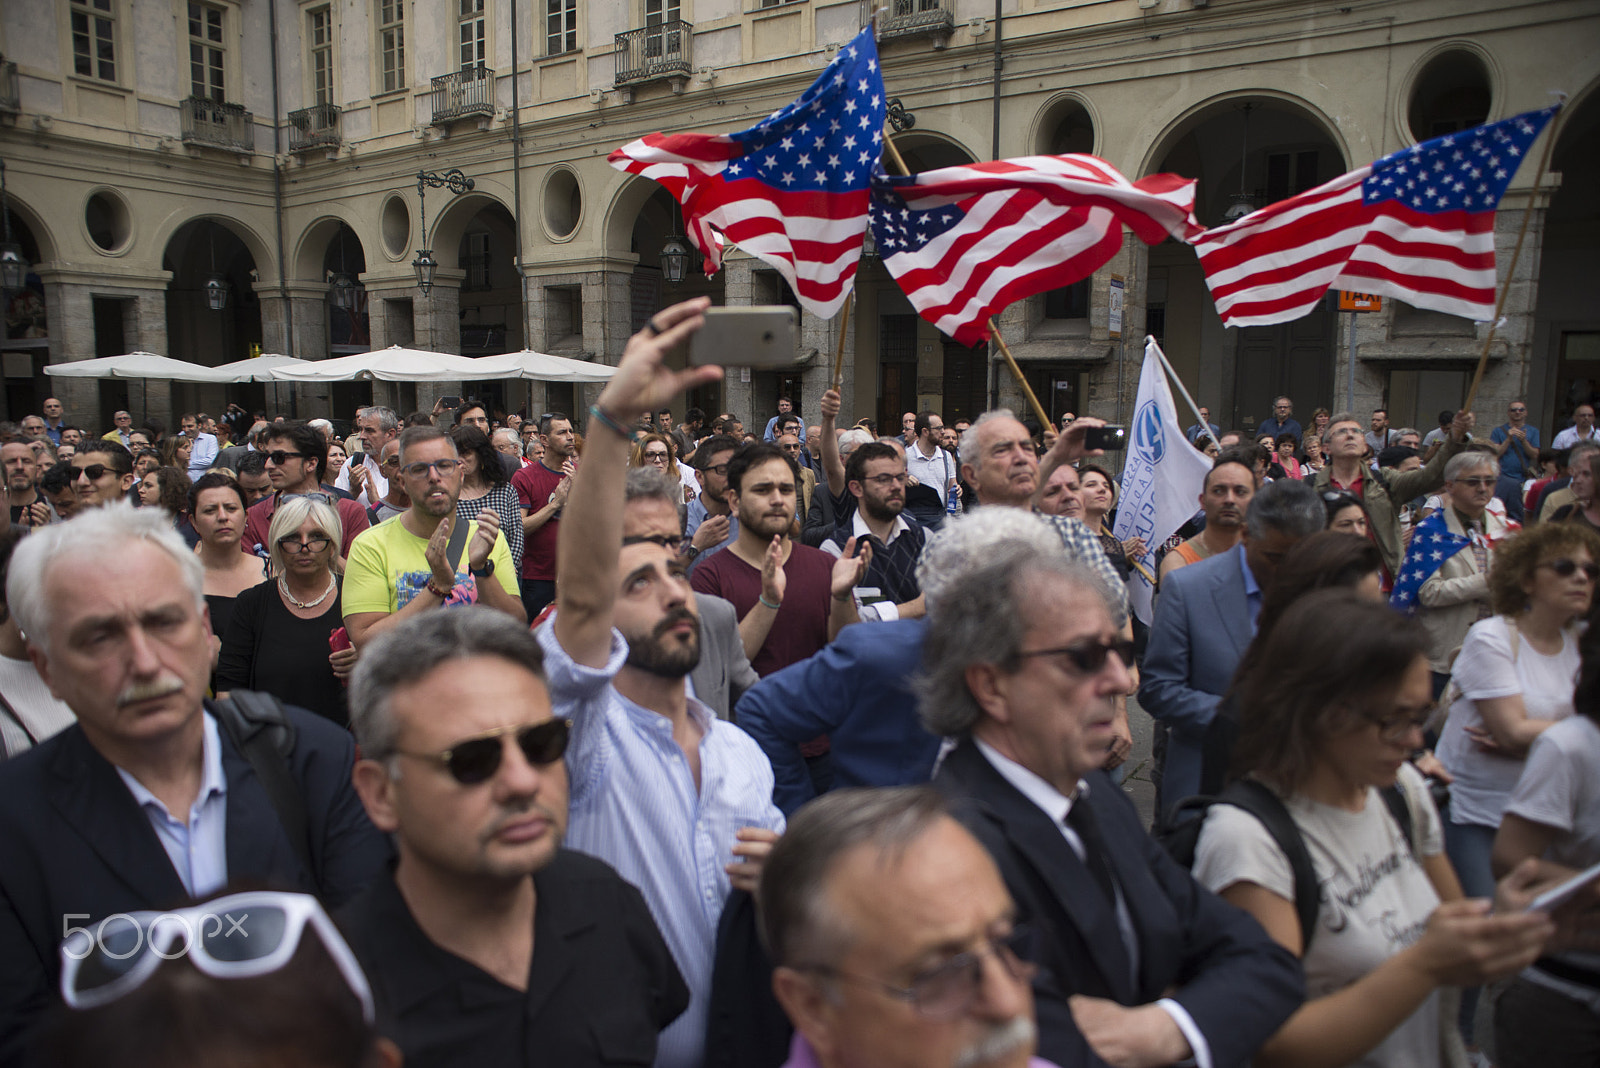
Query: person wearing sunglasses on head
x=427, y=557
x=148, y=798
x=260, y=977
x=1513, y=679
x=895, y=940
x=297, y=456
x=679, y=802
x=490, y=943
x=1137, y=962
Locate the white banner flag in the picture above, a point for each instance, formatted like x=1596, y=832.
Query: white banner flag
x=1163, y=479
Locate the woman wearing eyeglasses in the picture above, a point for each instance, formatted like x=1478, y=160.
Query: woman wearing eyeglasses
x=1326, y=734
x=1512, y=680
x=659, y=451
x=216, y=510
x=278, y=640
x=485, y=484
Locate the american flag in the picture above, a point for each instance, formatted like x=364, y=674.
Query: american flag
x=965, y=242
x=790, y=190
x=1417, y=225
x=1432, y=543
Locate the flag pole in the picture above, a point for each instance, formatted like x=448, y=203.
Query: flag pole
x=1149, y=343
x=838, y=353
x=1516, y=253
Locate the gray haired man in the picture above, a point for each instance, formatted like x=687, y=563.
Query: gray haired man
x=377, y=425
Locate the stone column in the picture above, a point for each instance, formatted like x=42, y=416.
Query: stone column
x=438, y=329
x=607, y=322
x=738, y=386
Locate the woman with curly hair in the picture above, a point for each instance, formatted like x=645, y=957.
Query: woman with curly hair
x=484, y=484
x=168, y=488
x=658, y=451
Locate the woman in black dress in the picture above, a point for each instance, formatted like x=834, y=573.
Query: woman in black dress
x=216, y=509
x=278, y=642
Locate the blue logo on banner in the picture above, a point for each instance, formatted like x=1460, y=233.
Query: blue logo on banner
x=1149, y=443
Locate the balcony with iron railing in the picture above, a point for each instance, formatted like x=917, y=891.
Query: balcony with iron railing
x=463, y=93
x=207, y=122
x=662, y=50
x=916, y=18
x=314, y=127
x=10, y=88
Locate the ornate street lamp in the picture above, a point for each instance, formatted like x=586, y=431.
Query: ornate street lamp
x=13, y=265
x=425, y=265
x=342, y=286
x=216, y=283
x=1243, y=203
x=674, y=254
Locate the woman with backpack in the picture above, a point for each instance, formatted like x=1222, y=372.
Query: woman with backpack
x=1325, y=734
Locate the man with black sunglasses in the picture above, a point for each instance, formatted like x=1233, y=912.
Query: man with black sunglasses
x=297, y=458
x=679, y=802
x=104, y=473
x=1138, y=963
x=488, y=941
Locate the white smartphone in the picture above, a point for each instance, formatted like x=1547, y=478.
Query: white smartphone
x=1559, y=895
x=761, y=336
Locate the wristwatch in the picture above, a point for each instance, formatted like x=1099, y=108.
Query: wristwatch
x=486, y=571
x=690, y=550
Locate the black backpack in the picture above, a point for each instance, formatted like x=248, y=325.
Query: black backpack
x=259, y=727
x=1183, y=835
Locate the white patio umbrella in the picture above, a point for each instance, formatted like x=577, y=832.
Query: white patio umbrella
x=541, y=367
x=260, y=368
x=139, y=365
x=393, y=364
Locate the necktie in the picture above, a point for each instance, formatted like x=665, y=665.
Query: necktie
x=1081, y=820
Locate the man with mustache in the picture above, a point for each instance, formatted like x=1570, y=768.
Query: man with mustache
x=148, y=799
x=489, y=942
x=895, y=940
x=679, y=802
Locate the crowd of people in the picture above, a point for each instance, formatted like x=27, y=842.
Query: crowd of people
x=607, y=738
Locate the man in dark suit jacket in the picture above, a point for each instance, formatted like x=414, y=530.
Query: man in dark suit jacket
x=146, y=802
x=1139, y=963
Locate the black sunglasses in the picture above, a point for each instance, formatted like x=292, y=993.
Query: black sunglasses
x=1566, y=568
x=278, y=456
x=1089, y=657
x=477, y=759
x=94, y=472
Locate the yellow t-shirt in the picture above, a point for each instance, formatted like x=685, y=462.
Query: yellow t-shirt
x=388, y=566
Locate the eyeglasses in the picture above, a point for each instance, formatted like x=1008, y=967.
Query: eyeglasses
x=948, y=990
x=421, y=467
x=279, y=456
x=295, y=544
x=95, y=472
x=887, y=479
x=1478, y=483
x=390, y=462
x=1398, y=730
x=666, y=541
x=239, y=936
x=1089, y=657
x=720, y=470
x=656, y=458
x=1565, y=568
x=477, y=759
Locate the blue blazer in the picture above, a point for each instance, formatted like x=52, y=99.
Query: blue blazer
x=1233, y=980
x=1201, y=629
x=74, y=843
x=858, y=692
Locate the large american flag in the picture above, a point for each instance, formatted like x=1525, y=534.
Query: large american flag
x=790, y=190
x=1417, y=225
x=965, y=242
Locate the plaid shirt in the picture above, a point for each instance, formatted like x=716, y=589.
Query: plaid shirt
x=1083, y=545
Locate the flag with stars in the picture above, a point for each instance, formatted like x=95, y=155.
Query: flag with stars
x=790, y=190
x=1417, y=225
x=965, y=242
x=1432, y=544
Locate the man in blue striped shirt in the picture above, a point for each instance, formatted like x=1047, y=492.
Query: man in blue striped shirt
x=677, y=801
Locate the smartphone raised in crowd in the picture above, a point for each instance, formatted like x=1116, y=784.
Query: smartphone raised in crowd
x=1107, y=438
x=761, y=336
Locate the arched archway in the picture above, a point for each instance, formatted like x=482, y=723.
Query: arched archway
x=659, y=219
x=25, y=339
x=1566, y=322
x=1246, y=151
x=213, y=311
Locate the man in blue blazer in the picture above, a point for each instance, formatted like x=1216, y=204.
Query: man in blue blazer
x=1138, y=963
x=1205, y=618
x=145, y=803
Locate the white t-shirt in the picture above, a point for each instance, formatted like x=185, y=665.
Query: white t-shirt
x=1376, y=897
x=1483, y=782
x=379, y=483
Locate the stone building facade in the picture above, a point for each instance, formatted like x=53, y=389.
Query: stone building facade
x=272, y=147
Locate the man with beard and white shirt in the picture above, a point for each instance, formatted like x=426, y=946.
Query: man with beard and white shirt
x=677, y=801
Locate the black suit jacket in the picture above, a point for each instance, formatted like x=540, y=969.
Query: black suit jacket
x=601, y=986
x=75, y=847
x=1237, y=984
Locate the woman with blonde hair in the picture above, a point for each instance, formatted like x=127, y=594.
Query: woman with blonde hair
x=279, y=640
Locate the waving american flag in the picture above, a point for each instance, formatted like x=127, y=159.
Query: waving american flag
x=1417, y=225
x=790, y=190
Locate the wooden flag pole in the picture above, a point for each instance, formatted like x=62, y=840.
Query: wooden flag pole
x=1516, y=253
x=838, y=352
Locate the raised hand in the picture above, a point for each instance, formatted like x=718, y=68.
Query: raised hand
x=773, y=579
x=643, y=382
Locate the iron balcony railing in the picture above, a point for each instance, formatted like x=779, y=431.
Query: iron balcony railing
x=314, y=127
x=661, y=50
x=10, y=87
x=462, y=93
x=207, y=122
x=917, y=18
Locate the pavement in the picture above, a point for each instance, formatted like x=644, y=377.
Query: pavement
x=1138, y=782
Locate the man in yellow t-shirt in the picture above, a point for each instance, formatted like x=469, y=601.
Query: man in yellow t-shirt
x=408, y=565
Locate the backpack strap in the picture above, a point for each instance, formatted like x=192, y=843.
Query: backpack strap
x=1394, y=796
x=259, y=727
x=1258, y=800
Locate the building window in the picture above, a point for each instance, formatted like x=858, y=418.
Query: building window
x=561, y=27
x=392, y=43
x=657, y=44
x=472, y=34
x=94, y=39
x=1068, y=302
x=206, y=53
x=477, y=262
x=564, y=315
x=1290, y=174
x=320, y=37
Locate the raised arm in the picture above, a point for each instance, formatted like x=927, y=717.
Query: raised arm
x=590, y=539
x=831, y=464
